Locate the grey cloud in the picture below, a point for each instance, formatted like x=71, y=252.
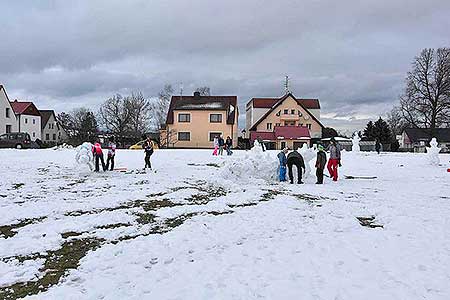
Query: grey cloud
x=353, y=55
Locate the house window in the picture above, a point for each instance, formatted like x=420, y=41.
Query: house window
x=283, y=145
x=213, y=135
x=8, y=111
x=26, y=121
x=54, y=136
x=309, y=126
x=292, y=111
x=301, y=124
x=184, y=118
x=49, y=126
x=47, y=136
x=277, y=124
x=269, y=126
x=286, y=111
x=215, y=118
x=8, y=128
x=184, y=136
x=34, y=121
x=34, y=134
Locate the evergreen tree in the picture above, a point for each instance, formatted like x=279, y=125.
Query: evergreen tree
x=369, y=132
x=379, y=130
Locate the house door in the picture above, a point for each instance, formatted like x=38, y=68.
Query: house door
x=270, y=145
x=283, y=145
x=298, y=145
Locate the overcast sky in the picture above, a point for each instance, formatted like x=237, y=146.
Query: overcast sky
x=352, y=55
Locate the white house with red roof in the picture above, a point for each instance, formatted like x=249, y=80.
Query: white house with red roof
x=28, y=118
x=8, y=120
x=284, y=122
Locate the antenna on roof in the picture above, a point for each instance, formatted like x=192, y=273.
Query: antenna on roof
x=286, y=85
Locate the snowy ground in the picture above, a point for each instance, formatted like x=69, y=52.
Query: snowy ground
x=186, y=232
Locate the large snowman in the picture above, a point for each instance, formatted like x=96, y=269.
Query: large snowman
x=84, y=155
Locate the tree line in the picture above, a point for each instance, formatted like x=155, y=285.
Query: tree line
x=424, y=103
x=122, y=116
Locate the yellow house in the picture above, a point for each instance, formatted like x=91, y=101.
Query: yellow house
x=194, y=121
x=284, y=122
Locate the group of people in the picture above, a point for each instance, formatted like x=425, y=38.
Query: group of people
x=294, y=158
x=219, y=144
x=97, y=152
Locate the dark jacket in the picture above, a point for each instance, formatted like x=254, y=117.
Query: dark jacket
x=221, y=142
x=148, y=148
x=321, y=160
x=295, y=158
x=229, y=143
x=282, y=158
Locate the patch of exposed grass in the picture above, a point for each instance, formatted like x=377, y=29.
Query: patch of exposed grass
x=56, y=265
x=17, y=186
x=369, y=222
x=8, y=231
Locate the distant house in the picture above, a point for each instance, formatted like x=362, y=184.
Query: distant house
x=194, y=121
x=51, y=131
x=8, y=120
x=284, y=122
x=28, y=118
x=417, y=139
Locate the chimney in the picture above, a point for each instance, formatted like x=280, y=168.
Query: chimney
x=196, y=95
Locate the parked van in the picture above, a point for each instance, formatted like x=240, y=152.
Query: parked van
x=18, y=140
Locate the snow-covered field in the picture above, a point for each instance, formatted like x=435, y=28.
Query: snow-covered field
x=191, y=230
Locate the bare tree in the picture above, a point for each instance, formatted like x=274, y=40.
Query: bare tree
x=396, y=121
x=80, y=125
x=168, y=139
x=140, y=109
x=160, y=106
x=204, y=91
x=426, y=101
x=115, y=115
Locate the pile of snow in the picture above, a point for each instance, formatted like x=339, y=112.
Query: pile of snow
x=63, y=146
x=84, y=155
x=309, y=155
x=256, y=164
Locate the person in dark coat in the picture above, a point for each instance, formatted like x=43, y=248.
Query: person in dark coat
x=295, y=158
x=321, y=161
x=229, y=145
x=148, y=149
x=378, y=146
x=282, y=166
x=221, y=145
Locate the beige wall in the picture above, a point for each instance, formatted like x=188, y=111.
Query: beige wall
x=199, y=128
x=52, y=128
x=289, y=103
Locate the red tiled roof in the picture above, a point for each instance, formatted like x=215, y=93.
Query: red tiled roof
x=254, y=126
x=269, y=102
x=282, y=132
x=223, y=103
x=26, y=108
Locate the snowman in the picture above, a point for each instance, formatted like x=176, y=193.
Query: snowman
x=84, y=155
x=308, y=154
